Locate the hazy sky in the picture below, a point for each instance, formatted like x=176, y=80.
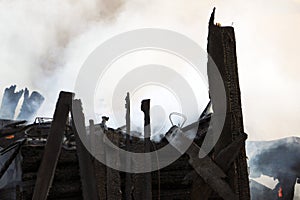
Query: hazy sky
x=44, y=43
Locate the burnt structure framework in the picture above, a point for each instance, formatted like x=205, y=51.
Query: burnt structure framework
x=222, y=49
x=221, y=175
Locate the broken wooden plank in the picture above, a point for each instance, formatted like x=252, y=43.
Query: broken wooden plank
x=227, y=155
x=128, y=181
x=213, y=176
x=224, y=160
x=86, y=166
x=222, y=49
x=205, y=167
x=53, y=146
x=145, y=107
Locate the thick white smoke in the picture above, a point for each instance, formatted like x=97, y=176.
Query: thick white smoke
x=35, y=36
x=58, y=37
x=44, y=43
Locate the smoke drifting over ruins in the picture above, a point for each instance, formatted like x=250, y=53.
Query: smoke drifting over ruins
x=45, y=42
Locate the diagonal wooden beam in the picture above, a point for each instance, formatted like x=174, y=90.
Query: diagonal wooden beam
x=210, y=172
x=227, y=155
x=224, y=160
x=53, y=147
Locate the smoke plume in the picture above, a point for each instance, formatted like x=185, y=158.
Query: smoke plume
x=44, y=43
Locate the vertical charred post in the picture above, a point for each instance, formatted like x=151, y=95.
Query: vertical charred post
x=145, y=107
x=87, y=174
x=128, y=182
x=222, y=49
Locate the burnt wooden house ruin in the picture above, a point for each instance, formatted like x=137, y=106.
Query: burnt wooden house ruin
x=52, y=163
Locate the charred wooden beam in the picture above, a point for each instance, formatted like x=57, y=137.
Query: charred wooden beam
x=224, y=160
x=87, y=173
x=145, y=107
x=222, y=49
x=53, y=147
x=213, y=176
x=209, y=171
x=128, y=181
x=230, y=153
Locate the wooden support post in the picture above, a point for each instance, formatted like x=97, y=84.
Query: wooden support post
x=53, y=147
x=87, y=174
x=145, y=107
x=222, y=49
x=128, y=181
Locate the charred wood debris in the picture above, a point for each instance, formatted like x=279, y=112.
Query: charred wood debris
x=47, y=159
